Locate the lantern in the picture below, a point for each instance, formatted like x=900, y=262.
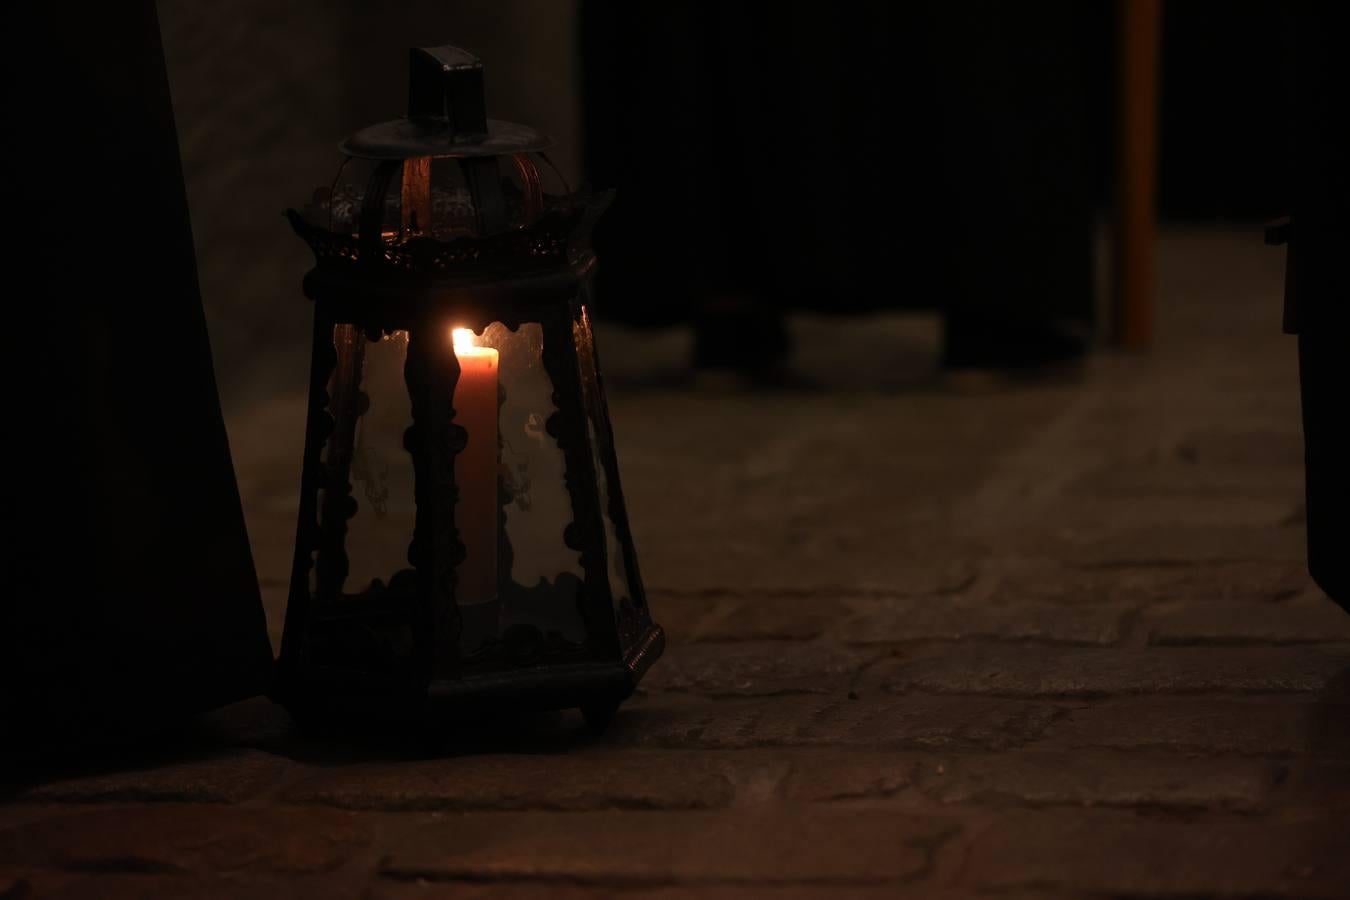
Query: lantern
x=462, y=542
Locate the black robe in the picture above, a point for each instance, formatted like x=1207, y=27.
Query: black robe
x=132, y=596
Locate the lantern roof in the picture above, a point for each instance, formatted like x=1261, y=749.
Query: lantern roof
x=446, y=115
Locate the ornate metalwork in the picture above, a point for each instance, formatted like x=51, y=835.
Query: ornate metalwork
x=539, y=247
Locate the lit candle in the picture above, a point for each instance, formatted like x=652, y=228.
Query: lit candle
x=476, y=469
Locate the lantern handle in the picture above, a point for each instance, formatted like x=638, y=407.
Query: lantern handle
x=534, y=194
x=567, y=186
x=445, y=86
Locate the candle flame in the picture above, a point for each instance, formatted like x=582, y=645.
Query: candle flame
x=463, y=338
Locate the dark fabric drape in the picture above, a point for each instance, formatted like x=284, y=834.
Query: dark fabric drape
x=846, y=157
x=1319, y=281
x=133, y=596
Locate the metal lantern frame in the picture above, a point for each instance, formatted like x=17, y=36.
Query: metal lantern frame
x=528, y=260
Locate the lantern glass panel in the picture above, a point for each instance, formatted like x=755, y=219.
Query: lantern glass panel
x=620, y=583
x=385, y=508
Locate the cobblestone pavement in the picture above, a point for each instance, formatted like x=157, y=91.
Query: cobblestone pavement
x=1043, y=639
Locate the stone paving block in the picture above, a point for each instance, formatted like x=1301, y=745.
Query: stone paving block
x=1220, y=583
x=1102, y=855
x=228, y=778
x=1262, y=449
x=105, y=886
x=13, y=815
x=1179, y=479
x=1310, y=620
x=783, y=844
x=931, y=723
x=1317, y=782
x=1230, y=508
x=748, y=544
x=421, y=889
x=592, y=779
x=1056, y=672
x=685, y=618
x=951, y=618
x=556, y=890
x=186, y=838
x=831, y=777
x=871, y=722
x=1174, y=545
x=1208, y=725
x=1076, y=779
x=708, y=616
x=1224, y=582
x=21, y=883
x=687, y=723
x=756, y=669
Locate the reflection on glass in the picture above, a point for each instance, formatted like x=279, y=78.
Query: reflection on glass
x=366, y=512
x=540, y=575
x=381, y=471
x=619, y=581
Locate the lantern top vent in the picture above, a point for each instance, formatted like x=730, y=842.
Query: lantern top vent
x=446, y=115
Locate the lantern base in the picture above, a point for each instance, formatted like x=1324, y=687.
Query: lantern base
x=331, y=703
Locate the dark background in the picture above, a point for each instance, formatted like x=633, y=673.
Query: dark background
x=263, y=91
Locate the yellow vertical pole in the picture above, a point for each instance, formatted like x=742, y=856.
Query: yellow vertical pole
x=1136, y=177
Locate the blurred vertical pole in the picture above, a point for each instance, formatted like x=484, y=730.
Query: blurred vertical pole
x=1136, y=226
